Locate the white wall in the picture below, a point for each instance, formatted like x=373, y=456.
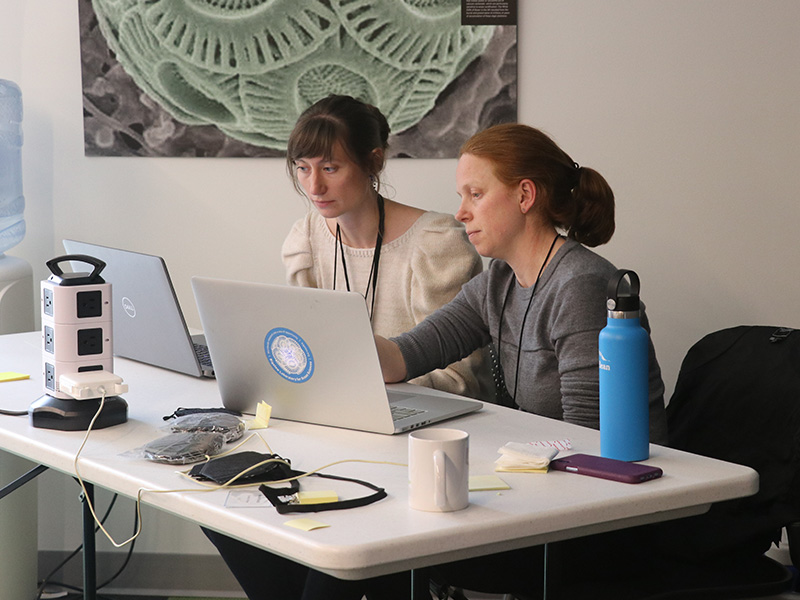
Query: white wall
x=689, y=107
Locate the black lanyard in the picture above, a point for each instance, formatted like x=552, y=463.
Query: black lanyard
x=282, y=498
x=254, y=467
x=376, y=257
x=524, y=319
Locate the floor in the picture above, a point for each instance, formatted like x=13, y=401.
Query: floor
x=74, y=596
x=100, y=596
x=472, y=596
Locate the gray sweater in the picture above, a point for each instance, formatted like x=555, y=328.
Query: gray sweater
x=559, y=359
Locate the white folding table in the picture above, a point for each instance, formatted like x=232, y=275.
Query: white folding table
x=386, y=536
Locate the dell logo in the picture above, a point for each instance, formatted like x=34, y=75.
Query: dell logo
x=128, y=307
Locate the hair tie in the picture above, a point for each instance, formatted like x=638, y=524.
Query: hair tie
x=576, y=178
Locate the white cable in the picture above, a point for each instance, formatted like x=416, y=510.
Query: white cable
x=205, y=488
x=86, y=494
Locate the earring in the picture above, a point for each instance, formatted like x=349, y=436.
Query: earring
x=374, y=181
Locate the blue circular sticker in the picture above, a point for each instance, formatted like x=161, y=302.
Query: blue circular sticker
x=289, y=355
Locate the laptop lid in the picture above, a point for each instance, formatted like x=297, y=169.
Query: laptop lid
x=148, y=323
x=308, y=353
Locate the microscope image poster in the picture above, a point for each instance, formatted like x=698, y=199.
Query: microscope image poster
x=197, y=78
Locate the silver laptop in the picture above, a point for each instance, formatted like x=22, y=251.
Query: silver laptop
x=309, y=354
x=147, y=319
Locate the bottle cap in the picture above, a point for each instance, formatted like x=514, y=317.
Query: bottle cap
x=623, y=301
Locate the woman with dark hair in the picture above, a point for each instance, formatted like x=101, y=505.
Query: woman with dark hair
x=407, y=262
x=541, y=304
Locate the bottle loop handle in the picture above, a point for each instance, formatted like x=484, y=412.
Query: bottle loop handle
x=623, y=302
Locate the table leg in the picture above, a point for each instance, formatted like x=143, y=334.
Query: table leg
x=89, y=550
x=544, y=576
x=22, y=480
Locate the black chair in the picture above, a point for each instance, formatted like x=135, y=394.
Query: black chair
x=737, y=398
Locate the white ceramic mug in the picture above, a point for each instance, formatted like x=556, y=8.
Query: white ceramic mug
x=438, y=469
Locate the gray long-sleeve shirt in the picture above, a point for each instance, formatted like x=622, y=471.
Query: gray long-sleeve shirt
x=558, y=363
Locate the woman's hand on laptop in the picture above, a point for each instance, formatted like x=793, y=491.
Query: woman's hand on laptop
x=393, y=365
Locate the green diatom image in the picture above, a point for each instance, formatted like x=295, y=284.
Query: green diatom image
x=250, y=67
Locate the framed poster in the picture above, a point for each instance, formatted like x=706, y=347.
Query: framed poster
x=212, y=78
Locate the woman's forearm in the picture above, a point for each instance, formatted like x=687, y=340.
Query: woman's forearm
x=393, y=365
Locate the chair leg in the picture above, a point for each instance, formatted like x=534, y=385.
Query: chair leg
x=793, y=535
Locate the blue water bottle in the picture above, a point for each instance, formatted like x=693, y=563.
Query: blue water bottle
x=624, y=366
x=12, y=202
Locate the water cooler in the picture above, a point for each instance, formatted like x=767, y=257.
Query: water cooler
x=18, y=515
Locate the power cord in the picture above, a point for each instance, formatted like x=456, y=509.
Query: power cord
x=72, y=555
x=82, y=388
x=86, y=495
x=96, y=385
x=88, y=388
x=47, y=580
x=230, y=482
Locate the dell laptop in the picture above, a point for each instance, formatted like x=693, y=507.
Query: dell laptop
x=147, y=319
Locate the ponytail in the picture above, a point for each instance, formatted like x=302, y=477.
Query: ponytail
x=593, y=221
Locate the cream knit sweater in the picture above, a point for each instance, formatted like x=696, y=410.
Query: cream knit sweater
x=420, y=271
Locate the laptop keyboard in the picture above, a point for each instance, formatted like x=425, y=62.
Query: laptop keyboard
x=202, y=355
x=401, y=412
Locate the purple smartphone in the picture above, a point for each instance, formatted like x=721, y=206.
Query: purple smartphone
x=606, y=468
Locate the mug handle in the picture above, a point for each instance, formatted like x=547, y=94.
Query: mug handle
x=440, y=479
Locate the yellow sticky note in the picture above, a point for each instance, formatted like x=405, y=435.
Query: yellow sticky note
x=306, y=524
x=505, y=470
x=318, y=497
x=478, y=483
x=12, y=376
x=263, y=413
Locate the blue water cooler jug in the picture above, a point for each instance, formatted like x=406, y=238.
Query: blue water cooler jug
x=624, y=366
x=12, y=202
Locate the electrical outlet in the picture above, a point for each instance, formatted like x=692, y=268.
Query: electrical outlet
x=49, y=339
x=49, y=376
x=90, y=341
x=89, y=304
x=47, y=300
x=97, y=384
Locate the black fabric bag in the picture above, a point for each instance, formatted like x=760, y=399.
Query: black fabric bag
x=737, y=398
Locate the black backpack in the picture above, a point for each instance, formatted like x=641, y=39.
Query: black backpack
x=737, y=398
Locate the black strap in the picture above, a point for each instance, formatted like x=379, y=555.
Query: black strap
x=281, y=497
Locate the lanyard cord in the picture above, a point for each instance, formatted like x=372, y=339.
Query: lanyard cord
x=524, y=318
x=372, y=281
x=276, y=495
